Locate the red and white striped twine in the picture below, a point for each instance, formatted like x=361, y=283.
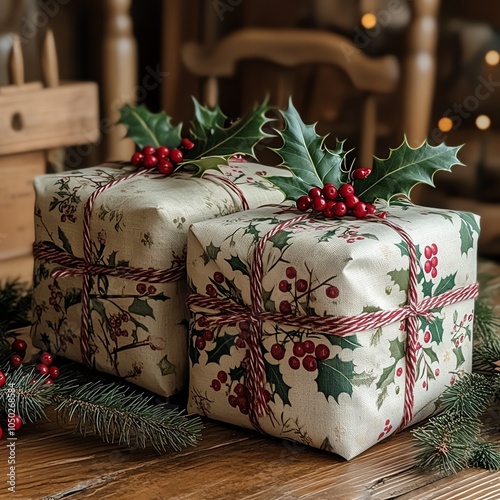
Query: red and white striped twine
x=84, y=267
x=225, y=312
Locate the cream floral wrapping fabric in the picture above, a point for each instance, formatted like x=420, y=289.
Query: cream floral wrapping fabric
x=339, y=394
x=139, y=328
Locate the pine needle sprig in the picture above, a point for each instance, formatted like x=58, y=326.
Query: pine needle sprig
x=469, y=397
x=123, y=416
x=15, y=306
x=485, y=456
x=486, y=322
x=486, y=359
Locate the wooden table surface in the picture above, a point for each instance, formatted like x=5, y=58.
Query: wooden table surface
x=234, y=463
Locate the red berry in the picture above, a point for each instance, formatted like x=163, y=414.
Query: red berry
x=361, y=173
x=54, y=372
x=218, y=277
x=151, y=290
x=304, y=203
x=16, y=360
x=319, y=203
x=284, y=286
x=291, y=272
x=201, y=343
x=309, y=346
x=137, y=159
x=310, y=363
x=19, y=345
x=150, y=161
x=141, y=288
x=370, y=208
x=285, y=307
x=222, y=376
x=437, y=372
x=427, y=336
x=428, y=252
x=176, y=155
x=351, y=201
x=165, y=167
x=216, y=385
x=346, y=189
x=49, y=381
x=232, y=400
x=434, y=249
x=294, y=363
x=277, y=351
x=434, y=272
x=328, y=214
x=46, y=358
x=148, y=150
x=240, y=343
x=208, y=335
x=340, y=209
x=434, y=261
x=332, y=292
x=322, y=352
x=427, y=266
x=42, y=369
x=314, y=192
x=162, y=152
x=301, y=285
x=299, y=349
x=329, y=191
x=240, y=390
x=267, y=396
x=382, y=215
x=360, y=211
x=3, y=378
x=399, y=372
x=187, y=144
x=15, y=422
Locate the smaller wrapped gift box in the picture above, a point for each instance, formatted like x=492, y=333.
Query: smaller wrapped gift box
x=331, y=333
x=109, y=277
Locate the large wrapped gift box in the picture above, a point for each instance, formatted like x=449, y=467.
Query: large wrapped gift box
x=331, y=333
x=133, y=318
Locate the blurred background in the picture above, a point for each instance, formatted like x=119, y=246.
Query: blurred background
x=368, y=71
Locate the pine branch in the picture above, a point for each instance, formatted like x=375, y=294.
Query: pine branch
x=15, y=305
x=485, y=456
x=119, y=415
x=487, y=357
x=486, y=323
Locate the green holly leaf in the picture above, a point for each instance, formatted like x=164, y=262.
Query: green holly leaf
x=351, y=342
x=223, y=344
x=400, y=278
x=146, y=128
x=335, y=377
x=370, y=309
x=275, y=380
x=403, y=248
x=431, y=355
x=397, y=349
x=446, y=283
x=252, y=229
x=112, y=258
x=405, y=168
x=165, y=366
x=468, y=228
x=237, y=373
x=459, y=355
x=64, y=240
x=280, y=240
x=200, y=166
x=268, y=303
x=387, y=377
x=194, y=353
x=212, y=138
x=304, y=153
x=210, y=253
x=363, y=378
x=238, y=265
x=435, y=327
x=427, y=288
x=327, y=236
x=72, y=297
x=141, y=307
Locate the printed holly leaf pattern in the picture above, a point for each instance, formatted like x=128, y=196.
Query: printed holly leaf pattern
x=396, y=349
x=459, y=355
x=146, y=128
x=335, y=377
x=468, y=229
x=238, y=265
x=304, y=153
x=400, y=278
x=223, y=344
x=210, y=253
x=141, y=307
x=72, y=297
x=351, y=342
x=165, y=366
x=445, y=284
x=405, y=168
x=280, y=240
x=212, y=138
x=435, y=327
x=194, y=353
x=64, y=240
x=275, y=380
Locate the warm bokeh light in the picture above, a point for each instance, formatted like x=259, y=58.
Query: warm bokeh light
x=483, y=122
x=492, y=57
x=445, y=124
x=369, y=21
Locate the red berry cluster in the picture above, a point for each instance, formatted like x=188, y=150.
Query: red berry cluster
x=241, y=398
x=143, y=289
x=307, y=351
x=162, y=158
x=431, y=263
x=43, y=366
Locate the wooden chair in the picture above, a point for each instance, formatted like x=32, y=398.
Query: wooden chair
x=291, y=48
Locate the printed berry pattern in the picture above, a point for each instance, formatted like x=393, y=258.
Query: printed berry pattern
x=138, y=329
x=346, y=267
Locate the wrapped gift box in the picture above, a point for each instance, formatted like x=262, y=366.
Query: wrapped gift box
x=137, y=316
x=330, y=333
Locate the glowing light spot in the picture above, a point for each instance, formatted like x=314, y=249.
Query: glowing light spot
x=369, y=21
x=445, y=124
x=483, y=122
x=492, y=57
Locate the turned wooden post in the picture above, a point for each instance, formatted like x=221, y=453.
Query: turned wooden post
x=420, y=70
x=119, y=76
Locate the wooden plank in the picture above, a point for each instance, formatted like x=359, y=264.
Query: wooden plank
x=48, y=118
x=17, y=200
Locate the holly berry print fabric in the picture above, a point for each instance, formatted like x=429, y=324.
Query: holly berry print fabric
x=138, y=329
x=342, y=394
